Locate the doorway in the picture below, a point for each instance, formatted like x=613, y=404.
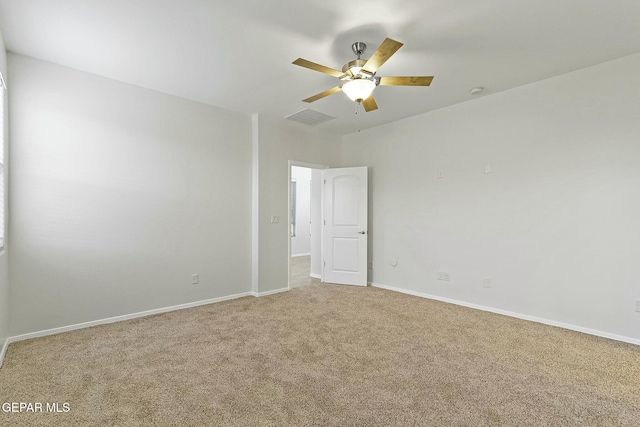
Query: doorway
x=339, y=197
x=305, y=213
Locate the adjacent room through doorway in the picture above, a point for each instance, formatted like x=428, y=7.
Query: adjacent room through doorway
x=305, y=205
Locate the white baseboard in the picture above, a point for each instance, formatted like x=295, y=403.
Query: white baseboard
x=297, y=255
x=108, y=320
x=264, y=294
x=514, y=314
x=123, y=317
x=315, y=276
x=3, y=351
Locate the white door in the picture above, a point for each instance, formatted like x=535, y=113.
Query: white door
x=345, y=226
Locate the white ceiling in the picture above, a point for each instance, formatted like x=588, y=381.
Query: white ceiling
x=237, y=54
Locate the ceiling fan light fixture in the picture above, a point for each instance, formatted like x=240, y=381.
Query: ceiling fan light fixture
x=358, y=89
x=358, y=77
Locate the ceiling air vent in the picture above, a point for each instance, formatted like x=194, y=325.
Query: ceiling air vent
x=309, y=117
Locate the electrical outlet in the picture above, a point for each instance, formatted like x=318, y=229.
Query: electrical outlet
x=195, y=279
x=370, y=265
x=443, y=276
x=638, y=306
x=446, y=277
x=486, y=282
x=440, y=174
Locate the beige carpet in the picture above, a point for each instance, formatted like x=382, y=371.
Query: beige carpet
x=325, y=355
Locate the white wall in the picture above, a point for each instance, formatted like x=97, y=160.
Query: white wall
x=278, y=141
x=554, y=226
x=316, y=223
x=301, y=243
x=4, y=277
x=118, y=195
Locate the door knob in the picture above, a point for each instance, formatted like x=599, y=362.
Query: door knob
x=362, y=232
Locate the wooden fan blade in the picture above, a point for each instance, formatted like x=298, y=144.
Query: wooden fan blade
x=406, y=81
x=380, y=56
x=323, y=94
x=369, y=104
x=317, y=67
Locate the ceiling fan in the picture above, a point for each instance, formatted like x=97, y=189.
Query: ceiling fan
x=358, y=77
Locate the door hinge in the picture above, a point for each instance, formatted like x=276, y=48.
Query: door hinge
x=325, y=181
x=324, y=263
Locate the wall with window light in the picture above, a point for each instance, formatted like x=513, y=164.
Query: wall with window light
x=301, y=242
x=4, y=278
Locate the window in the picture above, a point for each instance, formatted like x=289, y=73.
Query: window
x=293, y=209
x=3, y=135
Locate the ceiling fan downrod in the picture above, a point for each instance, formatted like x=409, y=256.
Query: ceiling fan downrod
x=358, y=48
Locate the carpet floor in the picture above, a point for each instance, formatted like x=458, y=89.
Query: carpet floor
x=325, y=355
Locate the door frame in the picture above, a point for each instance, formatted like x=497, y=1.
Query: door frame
x=309, y=166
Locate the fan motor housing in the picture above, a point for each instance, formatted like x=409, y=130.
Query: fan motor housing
x=354, y=68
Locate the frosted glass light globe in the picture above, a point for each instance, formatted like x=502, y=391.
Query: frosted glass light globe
x=358, y=89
